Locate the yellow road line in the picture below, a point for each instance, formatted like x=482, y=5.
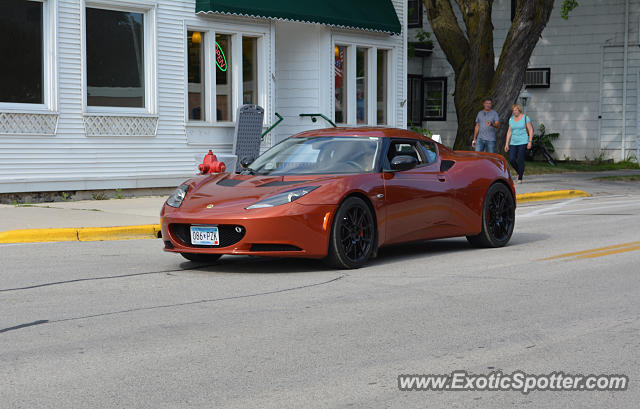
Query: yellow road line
x=606, y=253
x=600, y=251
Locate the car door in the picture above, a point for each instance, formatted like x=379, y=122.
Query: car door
x=417, y=200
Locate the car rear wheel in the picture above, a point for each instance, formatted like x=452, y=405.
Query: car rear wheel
x=498, y=218
x=352, y=235
x=201, y=258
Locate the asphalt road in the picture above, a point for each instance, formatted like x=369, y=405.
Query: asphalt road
x=124, y=325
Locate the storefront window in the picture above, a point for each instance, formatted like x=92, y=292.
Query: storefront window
x=361, y=85
x=381, y=87
x=340, y=83
x=21, y=48
x=115, y=58
x=224, y=86
x=195, y=63
x=250, y=70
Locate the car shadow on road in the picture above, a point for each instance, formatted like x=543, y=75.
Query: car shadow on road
x=432, y=248
x=259, y=265
x=386, y=255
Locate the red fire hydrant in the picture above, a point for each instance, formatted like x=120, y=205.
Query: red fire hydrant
x=210, y=164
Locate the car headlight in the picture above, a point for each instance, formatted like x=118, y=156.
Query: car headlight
x=284, y=197
x=176, y=198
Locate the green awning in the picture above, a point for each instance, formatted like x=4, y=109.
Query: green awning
x=373, y=15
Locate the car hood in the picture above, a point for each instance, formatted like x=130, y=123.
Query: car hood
x=231, y=192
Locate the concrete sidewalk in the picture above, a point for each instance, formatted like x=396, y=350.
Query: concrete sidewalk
x=141, y=215
x=581, y=181
x=83, y=213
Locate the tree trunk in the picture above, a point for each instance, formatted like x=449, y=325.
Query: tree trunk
x=471, y=55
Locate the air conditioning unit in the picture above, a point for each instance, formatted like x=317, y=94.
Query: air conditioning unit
x=537, y=78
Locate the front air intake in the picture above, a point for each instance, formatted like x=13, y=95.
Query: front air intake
x=274, y=247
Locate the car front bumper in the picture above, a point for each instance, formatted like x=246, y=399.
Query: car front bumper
x=290, y=230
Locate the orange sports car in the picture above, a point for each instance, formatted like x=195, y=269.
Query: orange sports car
x=340, y=194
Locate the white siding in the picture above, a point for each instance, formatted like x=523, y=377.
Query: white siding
x=300, y=76
x=296, y=68
x=573, y=50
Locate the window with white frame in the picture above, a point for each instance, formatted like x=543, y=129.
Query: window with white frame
x=24, y=71
x=224, y=78
x=250, y=70
x=196, y=104
x=360, y=84
x=340, y=84
x=221, y=54
x=382, y=88
x=118, y=74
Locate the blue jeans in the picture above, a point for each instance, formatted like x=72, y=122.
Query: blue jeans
x=482, y=145
x=516, y=158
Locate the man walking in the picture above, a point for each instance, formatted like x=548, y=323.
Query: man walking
x=484, y=135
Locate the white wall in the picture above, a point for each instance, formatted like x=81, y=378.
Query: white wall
x=573, y=50
x=304, y=71
x=301, y=76
x=296, y=72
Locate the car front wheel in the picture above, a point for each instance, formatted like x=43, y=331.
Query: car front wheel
x=352, y=235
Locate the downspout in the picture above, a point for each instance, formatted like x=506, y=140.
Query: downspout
x=599, y=145
x=624, y=79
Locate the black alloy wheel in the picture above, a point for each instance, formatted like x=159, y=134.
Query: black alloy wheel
x=353, y=235
x=498, y=218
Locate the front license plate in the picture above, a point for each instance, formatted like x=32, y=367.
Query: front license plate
x=205, y=236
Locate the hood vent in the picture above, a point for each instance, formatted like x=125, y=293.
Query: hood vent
x=230, y=182
x=283, y=183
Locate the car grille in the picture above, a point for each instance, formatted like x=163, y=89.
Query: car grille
x=229, y=234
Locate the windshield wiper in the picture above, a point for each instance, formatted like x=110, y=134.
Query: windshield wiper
x=250, y=171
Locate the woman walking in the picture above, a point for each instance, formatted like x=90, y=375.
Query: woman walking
x=519, y=138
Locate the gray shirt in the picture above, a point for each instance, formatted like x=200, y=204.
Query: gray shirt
x=486, y=132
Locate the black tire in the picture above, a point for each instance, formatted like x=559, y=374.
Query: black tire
x=498, y=218
x=201, y=258
x=353, y=235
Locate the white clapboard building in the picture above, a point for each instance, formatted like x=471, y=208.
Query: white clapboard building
x=107, y=94
x=583, y=78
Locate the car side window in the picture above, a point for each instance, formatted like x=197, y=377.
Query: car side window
x=430, y=151
x=407, y=148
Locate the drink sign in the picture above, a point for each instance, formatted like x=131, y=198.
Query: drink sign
x=221, y=60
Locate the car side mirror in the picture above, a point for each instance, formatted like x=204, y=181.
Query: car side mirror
x=245, y=162
x=403, y=162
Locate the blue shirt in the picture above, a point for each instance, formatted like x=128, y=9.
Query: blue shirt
x=486, y=132
x=519, y=135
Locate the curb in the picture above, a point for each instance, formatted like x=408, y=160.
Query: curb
x=147, y=231
x=550, y=195
x=152, y=231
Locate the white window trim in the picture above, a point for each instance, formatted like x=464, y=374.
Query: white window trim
x=237, y=32
x=49, y=69
x=373, y=45
x=148, y=9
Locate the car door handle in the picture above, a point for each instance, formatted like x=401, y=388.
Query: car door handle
x=442, y=178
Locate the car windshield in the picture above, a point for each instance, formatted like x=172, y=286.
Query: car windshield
x=318, y=155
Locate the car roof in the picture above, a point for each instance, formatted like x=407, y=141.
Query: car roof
x=370, y=131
